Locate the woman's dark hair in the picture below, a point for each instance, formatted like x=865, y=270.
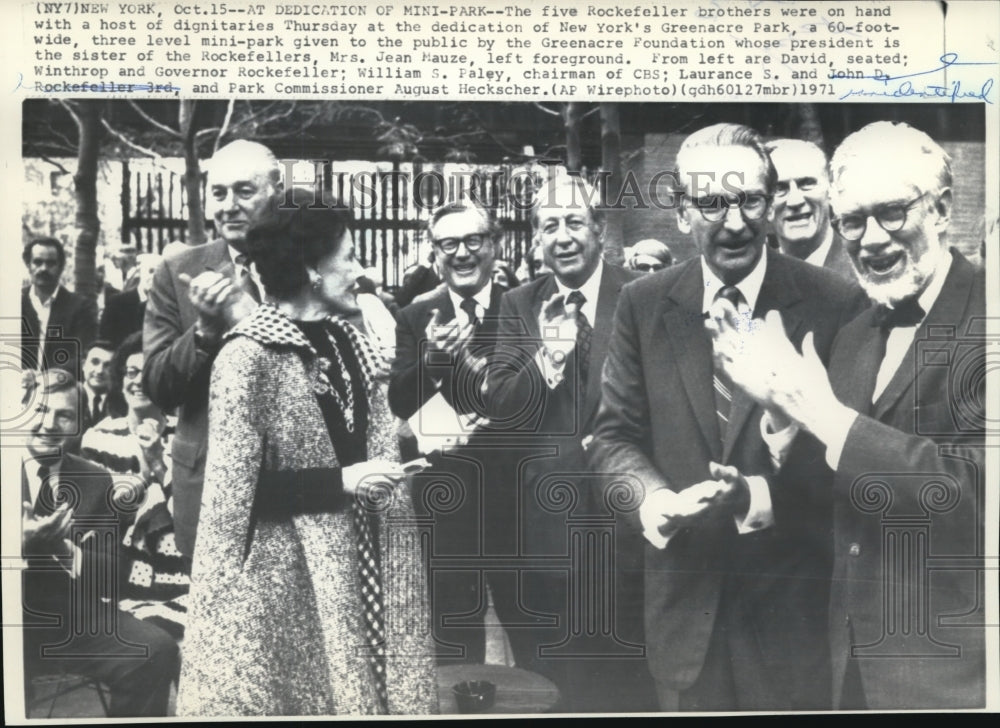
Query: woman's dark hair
x=132, y=344
x=295, y=239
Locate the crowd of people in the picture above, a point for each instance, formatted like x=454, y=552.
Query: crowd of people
x=321, y=485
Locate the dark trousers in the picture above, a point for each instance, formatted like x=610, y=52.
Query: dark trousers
x=138, y=665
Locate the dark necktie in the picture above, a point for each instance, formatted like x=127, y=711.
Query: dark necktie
x=722, y=385
x=244, y=279
x=370, y=575
x=45, y=500
x=469, y=306
x=906, y=313
x=96, y=415
x=584, y=336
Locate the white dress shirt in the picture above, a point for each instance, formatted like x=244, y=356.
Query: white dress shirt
x=760, y=514
x=482, y=300
x=818, y=256
x=554, y=372
x=896, y=346
x=238, y=267
x=43, y=309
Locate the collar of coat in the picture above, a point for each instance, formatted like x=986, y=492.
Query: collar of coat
x=269, y=327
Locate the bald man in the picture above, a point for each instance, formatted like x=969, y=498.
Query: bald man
x=198, y=294
x=800, y=213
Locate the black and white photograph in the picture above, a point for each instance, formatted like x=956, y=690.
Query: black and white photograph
x=456, y=366
x=409, y=408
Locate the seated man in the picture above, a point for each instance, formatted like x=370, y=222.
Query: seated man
x=71, y=621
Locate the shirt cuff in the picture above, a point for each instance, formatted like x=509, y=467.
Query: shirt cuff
x=551, y=371
x=833, y=433
x=760, y=514
x=778, y=441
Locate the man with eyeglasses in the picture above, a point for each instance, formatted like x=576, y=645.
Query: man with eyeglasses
x=900, y=415
x=648, y=256
x=737, y=556
x=545, y=386
x=800, y=212
x=443, y=339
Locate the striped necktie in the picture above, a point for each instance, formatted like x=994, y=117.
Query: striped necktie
x=722, y=385
x=244, y=279
x=584, y=336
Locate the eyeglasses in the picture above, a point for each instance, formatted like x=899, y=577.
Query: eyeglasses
x=449, y=246
x=133, y=373
x=648, y=267
x=715, y=207
x=891, y=217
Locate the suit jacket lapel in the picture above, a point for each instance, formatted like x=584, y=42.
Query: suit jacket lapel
x=612, y=281
x=948, y=309
x=217, y=258
x=685, y=330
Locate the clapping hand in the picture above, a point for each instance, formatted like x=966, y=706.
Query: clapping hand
x=46, y=534
x=557, y=324
x=765, y=364
x=446, y=337
x=219, y=302
x=151, y=445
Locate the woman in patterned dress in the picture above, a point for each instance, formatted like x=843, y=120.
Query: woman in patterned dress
x=308, y=595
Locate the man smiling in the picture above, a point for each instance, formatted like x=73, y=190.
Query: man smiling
x=901, y=418
x=801, y=211
x=197, y=295
x=736, y=578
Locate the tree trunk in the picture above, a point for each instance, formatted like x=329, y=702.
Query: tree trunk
x=611, y=162
x=88, y=222
x=192, y=173
x=572, y=112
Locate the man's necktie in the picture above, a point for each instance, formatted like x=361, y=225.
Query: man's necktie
x=905, y=313
x=45, y=500
x=584, y=336
x=469, y=306
x=722, y=385
x=244, y=279
x=370, y=576
x=96, y=414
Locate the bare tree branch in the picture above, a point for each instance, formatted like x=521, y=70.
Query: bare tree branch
x=68, y=105
x=546, y=109
x=162, y=127
x=54, y=163
x=592, y=111
x=128, y=142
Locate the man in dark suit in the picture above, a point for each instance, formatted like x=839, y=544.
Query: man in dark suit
x=737, y=563
x=443, y=340
x=70, y=513
x=544, y=384
x=126, y=311
x=57, y=326
x=198, y=294
x=800, y=212
x=96, y=384
x=901, y=420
